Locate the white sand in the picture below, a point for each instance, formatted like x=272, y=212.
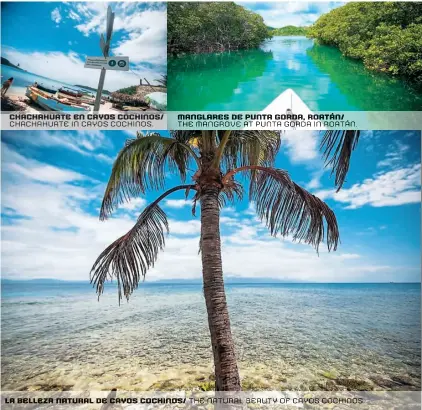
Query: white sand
x=18, y=94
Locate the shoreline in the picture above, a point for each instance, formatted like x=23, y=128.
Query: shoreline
x=71, y=375
x=31, y=108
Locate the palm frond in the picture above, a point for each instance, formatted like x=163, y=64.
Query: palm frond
x=185, y=135
x=129, y=257
x=288, y=209
x=142, y=165
x=133, y=254
x=250, y=148
x=337, y=147
x=230, y=193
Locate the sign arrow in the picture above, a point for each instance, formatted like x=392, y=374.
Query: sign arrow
x=103, y=46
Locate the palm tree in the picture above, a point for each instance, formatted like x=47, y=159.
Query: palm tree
x=162, y=81
x=219, y=156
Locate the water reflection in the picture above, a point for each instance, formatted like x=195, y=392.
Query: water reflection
x=251, y=79
x=212, y=81
x=364, y=90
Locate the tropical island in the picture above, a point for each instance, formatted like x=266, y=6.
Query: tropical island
x=386, y=37
x=5, y=61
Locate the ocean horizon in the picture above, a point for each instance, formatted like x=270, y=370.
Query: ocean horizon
x=58, y=336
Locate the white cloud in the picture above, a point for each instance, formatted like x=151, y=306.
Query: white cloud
x=61, y=239
x=397, y=187
x=192, y=227
x=34, y=170
x=69, y=68
x=82, y=142
x=395, y=155
x=315, y=182
x=301, y=145
x=147, y=35
x=177, y=203
x=56, y=16
x=74, y=16
x=145, y=30
x=280, y=14
x=136, y=204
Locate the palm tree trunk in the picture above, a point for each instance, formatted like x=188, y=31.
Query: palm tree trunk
x=226, y=372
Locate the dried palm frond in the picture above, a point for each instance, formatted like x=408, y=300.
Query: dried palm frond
x=337, y=149
x=288, y=209
x=230, y=194
x=129, y=257
x=142, y=165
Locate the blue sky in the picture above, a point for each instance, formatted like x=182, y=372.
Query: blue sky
x=52, y=186
x=53, y=39
x=280, y=14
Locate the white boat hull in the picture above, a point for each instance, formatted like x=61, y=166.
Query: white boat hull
x=288, y=102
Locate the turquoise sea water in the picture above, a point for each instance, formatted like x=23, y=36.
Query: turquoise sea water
x=57, y=335
x=252, y=79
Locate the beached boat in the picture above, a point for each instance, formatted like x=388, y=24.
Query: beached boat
x=76, y=96
x=46, y=89
x=51, y=103
x=75, y=100
x=71, y=92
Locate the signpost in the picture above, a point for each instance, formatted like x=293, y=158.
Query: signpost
x=108, y=63
x=105, y=47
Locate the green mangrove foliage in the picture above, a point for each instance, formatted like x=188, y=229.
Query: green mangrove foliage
x=212, y=27
x=386, y=36
x=289, y=31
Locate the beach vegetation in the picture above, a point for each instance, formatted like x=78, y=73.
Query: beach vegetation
x=162, y=80
x=289, y=31
x=195, y=27
x=132, y=90
x=209, y=164
x=385, y=36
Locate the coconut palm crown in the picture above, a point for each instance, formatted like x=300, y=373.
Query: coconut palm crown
x=213, y=161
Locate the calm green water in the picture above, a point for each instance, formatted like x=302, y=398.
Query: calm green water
x=251, y=79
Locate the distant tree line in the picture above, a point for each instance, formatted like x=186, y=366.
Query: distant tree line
x=386, y=36
x=212, y=27
x=289, y=31
x=5, y=61
x=86, y=87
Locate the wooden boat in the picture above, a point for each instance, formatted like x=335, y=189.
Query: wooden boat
x=75, y=100
x=51, y=103
x=46, y=89
x=71, y=92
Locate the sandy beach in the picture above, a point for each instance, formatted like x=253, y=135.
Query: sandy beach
x=17, y=95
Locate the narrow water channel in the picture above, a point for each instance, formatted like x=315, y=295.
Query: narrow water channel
x=252, y=79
